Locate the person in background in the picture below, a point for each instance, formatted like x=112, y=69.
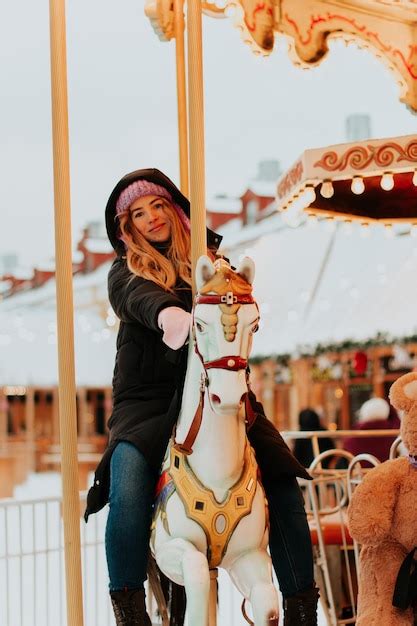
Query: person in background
x=303, y=449
x=374, y=414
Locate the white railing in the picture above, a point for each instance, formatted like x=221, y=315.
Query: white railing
x=32, y=589
x=32, y=575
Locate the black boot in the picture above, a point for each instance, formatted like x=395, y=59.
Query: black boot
x=301, y=609
x=129, y=608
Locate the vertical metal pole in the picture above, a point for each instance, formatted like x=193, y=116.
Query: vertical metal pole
x=181, y=94
x=65, y=318
x=30, y=427
x=196, y=131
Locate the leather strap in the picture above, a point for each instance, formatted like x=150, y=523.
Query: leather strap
x=232, y=363
x=186, y=447
x=228, y=298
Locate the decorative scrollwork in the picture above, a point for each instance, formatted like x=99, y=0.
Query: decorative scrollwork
x=292, y=178
x=161, y=16
x=212, y=10
x=360, y=157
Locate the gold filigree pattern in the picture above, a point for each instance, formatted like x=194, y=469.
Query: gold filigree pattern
x=223, y=281
x=360, y=157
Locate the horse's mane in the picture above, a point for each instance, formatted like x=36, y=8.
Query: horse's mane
x=226, y=279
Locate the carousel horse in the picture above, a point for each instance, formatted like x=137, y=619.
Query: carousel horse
x=212, y=510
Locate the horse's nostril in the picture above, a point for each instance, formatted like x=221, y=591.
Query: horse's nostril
x=214, y=399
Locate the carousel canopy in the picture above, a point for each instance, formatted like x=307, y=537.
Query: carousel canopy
x=368, y=181
x=388, y=28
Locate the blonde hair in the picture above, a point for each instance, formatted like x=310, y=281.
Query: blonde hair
x=147, y=262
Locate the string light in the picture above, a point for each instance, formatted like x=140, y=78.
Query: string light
x=309, y=195
x=348, y=227
x=358, y=186
x=330, y=224
x=327, y=189
x=388, y=230
x=387, y=181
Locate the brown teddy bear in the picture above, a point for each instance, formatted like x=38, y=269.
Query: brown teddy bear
x=382, y=517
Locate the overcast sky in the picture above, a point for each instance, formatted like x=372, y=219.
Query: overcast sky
x=122, y=103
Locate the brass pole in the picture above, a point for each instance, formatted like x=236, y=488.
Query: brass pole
x=65, y=320
x=196, y=131
x=181, y=94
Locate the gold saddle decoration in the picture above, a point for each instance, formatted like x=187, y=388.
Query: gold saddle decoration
x=217, y=519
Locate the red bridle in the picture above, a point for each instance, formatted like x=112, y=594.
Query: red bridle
x=231, y=363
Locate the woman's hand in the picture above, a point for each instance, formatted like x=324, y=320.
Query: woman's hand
x=176, y=324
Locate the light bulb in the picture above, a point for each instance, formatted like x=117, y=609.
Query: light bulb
x=365, y=230
x=309, y=195
x=358, y=186
x=312, y=220
x=388, y=230
x=415, y=178
x=326, y=189
x=387, y=181
x=413, y=230
x=330, y=224
x=348, y=227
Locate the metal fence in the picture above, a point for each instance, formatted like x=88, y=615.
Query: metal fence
x=32, y=575
x=32, y=588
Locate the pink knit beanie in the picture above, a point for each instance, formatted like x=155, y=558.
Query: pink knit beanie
x=139, y=189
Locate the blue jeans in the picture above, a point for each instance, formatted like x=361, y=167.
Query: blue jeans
x=132, y=485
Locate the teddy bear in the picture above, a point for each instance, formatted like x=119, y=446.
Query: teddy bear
x=382, y=518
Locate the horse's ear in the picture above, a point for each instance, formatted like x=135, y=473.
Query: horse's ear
x=247, y=269
x=204, y=271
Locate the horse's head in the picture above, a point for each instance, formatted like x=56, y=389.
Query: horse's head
x=224, y=319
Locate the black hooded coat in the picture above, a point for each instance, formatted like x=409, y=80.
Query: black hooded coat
x=148, y=377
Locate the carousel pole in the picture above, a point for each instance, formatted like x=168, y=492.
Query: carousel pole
x=197, y=176
x=196, y=131
x=181, y=94
x=65, y=321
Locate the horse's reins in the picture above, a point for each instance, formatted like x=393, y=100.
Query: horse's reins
x=230, y=363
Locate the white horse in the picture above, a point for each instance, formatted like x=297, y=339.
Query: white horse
x=213, y=513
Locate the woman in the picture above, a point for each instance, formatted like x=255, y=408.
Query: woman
x=147, y=221
x=303, y=448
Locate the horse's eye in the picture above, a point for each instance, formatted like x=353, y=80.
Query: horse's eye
x=199, y=327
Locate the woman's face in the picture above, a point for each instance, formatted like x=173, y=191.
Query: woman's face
x=149, y=218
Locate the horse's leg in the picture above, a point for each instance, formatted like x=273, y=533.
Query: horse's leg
x=251, y=574
x=180, y=560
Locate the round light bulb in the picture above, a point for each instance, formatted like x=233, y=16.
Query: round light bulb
x=312, y=220
x=347, y=227
x=358, y=186
x=326, y=189
x=388, y=230
x=387, y=181
x=330, y=224
x=309, y=195
x=365, y=230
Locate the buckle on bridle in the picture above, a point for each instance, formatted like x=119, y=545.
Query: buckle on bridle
x=228, y=298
